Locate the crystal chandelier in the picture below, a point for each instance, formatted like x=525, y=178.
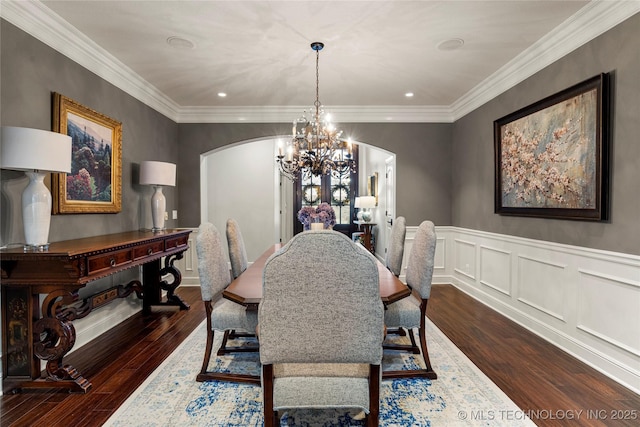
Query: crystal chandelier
x=315, y=147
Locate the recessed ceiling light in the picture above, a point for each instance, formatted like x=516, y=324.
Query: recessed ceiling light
x=180, y=43
x=388, y=118
x=450, y=44
x=409, y=94
x=222, y=94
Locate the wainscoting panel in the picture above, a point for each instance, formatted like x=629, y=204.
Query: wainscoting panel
x=495, y=269
x=542, y=285
x=585, y=301
x=188, y=265
x=604, y=304
x=465, y=258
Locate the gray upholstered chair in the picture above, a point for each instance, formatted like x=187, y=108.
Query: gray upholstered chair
x=222, y=314
x=321, y=327
x=395, y=250
x=410, y=312
x=237, y=251
x=239, y=263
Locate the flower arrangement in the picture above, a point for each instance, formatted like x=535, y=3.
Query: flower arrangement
x=324, y=213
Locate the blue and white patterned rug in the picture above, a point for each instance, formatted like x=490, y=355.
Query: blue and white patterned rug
x=461, y=396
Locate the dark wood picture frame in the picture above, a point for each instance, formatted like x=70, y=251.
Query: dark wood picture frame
x=95, y=182
x=552, y=157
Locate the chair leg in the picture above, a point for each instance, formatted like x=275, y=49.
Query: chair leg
x=413, y=348
x=397, y=331
x=428, y=372
x=231, y=335
x=267, y=396
x=423, y=339
x=373, y=417
x=204, y=375
x=209, y=344
x=223, y=346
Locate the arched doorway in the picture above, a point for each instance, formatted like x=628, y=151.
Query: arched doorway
x=241, y=181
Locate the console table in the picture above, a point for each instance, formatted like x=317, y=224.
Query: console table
x=31, y=333
x=367, y=237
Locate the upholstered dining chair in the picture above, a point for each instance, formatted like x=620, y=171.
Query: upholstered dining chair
x=237, y=251
x=321, y=327
x=222, y=314
x=239, y=263
x=395, y=250
x=410, y=312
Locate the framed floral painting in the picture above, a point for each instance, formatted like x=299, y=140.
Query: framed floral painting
x=552, y=157
x=94, y=184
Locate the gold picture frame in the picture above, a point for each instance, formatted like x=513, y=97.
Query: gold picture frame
x=95, y=182
x=372, y=186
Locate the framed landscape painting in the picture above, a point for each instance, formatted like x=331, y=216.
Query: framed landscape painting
x=94, y=184
x=552, y=157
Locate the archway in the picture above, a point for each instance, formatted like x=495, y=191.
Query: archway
x=241, y=181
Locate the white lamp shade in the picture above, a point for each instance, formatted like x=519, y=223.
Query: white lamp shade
x=34, y=149
x=356, y=204
x=157, y=173
x=367, y=202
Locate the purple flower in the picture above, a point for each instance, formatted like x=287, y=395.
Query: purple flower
x=323, y=213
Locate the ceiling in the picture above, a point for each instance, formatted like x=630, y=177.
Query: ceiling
x=259, y=54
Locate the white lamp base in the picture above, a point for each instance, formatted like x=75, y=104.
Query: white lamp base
x=36, y=212
x=158, y=208
x=366, y=215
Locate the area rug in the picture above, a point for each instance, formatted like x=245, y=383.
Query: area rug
x=461, y=396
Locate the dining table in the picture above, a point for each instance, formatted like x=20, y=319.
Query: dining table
x=246, y=289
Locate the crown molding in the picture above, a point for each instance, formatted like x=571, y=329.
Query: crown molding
x=595, y=18
x=589, y=22
x=339, y=114
x=39, y=21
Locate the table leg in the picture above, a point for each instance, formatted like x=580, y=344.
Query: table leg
x=154, y=285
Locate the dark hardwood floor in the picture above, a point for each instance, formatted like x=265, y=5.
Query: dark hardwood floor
x=542, y=380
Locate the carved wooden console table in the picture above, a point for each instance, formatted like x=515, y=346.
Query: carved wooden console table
x=31, y=333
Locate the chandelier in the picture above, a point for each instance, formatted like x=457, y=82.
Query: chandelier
x=315, y=147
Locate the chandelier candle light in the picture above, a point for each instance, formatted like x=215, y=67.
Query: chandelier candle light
x=36, y=152
x=315, y=147
x=158, y=174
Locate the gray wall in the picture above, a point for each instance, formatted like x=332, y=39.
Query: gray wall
x=618, y=52
x=423, y=156
x=30, y=71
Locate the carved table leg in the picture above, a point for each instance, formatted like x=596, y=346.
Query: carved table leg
x=53, y=337
x=154, y=285
x=169, y=268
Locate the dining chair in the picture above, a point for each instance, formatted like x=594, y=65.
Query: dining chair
x=239, y=263
x=395, y=250
x=237, y=251
x=321, y=327
x=222, y=314
x=410, y=312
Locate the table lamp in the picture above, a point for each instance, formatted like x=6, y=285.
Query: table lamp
x=36, y=152
x=158, y=174
x=365, y=203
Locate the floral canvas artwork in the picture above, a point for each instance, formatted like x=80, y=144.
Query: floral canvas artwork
x=546, y=159
x=552, y=156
